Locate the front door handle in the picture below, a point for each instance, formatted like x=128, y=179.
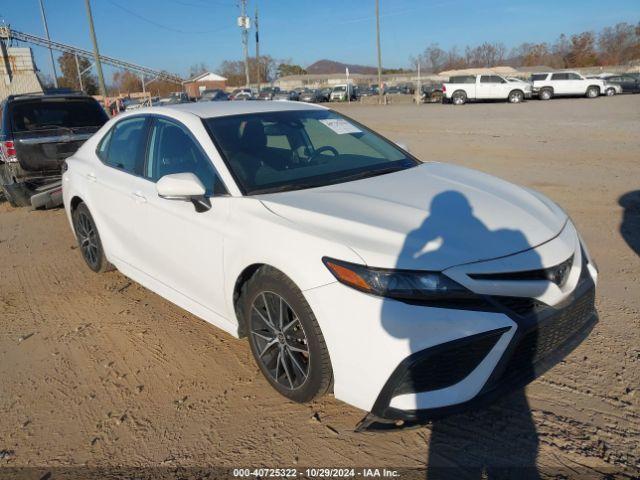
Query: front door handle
x=139, y=197
x=91, y=177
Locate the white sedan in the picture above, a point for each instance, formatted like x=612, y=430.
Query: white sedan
x=411, y=290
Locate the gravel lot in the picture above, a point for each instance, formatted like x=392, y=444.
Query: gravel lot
x=96, y=370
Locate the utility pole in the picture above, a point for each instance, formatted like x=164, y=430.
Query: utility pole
x=243, y=22
x=379, y=53
x=96, y=52
x=257, y=51
x=46, y=31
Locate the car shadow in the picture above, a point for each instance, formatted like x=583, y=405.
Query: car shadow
x=499, y=441
x=630, y=226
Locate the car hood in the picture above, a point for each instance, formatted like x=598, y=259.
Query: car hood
x=430, y=217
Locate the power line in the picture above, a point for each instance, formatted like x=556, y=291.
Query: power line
x=160, y=25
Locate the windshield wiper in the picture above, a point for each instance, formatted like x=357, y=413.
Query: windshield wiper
x=372, y=173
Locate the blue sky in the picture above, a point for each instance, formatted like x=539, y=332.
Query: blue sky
x=174, y=34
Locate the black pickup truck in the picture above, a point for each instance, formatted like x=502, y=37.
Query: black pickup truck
x=37, y=133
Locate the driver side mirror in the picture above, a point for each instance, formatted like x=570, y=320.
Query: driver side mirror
x=184, y=186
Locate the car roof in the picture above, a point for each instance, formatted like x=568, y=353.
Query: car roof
x=222, y=109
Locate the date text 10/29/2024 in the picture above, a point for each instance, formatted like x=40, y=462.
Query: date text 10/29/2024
x=316, y=473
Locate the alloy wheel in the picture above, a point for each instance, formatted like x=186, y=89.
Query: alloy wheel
x=87, y=238
x=281, y=341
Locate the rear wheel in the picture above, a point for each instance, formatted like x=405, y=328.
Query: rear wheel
x=459, y=98
x=593, y=92
x=284, y=336
x=545, y=94
x=516, y=96
x=89, y=240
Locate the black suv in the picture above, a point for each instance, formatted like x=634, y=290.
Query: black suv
x=37, y=133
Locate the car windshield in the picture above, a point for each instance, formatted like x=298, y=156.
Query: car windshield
x=42, y=114
x=291, y=150
x=339, y=89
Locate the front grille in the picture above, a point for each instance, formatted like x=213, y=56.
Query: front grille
x=557, y=274
x=551, y=334
x=523, y=306
x=447, y=364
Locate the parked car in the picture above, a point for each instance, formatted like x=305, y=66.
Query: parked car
x=325, y=94
x=339, y=93
x=241, y=94
x=311, y=96
x=367, y=92
x=214, y=95
x=484, y=87
x=431, y=92
x=267, y=93
x=627, y=83
x=394, y=90
x=410, y=289
x=555, y=84
x=37, y=133
x=286, y=95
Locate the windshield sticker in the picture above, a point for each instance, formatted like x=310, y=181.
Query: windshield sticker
x=340, y=126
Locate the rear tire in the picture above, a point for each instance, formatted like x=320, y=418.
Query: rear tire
x=545, y=94
x=516, y=96
x=459, y=98
x=89, y=240
x=284, y=336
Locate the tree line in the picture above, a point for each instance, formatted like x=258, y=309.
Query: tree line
x=616, y=45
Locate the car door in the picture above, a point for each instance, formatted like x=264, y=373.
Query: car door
x=112, y=183
x=183, y=248
x=576, y=85
x=486, y=87
x=560, y=82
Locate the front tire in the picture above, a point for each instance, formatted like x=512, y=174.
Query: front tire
x=284, y=336
x=593, y=92
x=89, y=240
x=516, y=96
x=610, y=92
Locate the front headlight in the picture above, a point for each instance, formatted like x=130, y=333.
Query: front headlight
x=411, y=285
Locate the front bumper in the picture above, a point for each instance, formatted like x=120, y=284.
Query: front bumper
x=544, y=336
x=408, y=363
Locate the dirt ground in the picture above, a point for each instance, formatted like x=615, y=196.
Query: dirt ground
x=96, y=370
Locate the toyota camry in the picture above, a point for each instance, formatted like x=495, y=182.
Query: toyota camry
x=410, y=290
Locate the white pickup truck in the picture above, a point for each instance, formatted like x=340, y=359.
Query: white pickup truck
x=461, y=89
x=552, y=84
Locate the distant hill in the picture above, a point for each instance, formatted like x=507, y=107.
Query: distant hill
x=330, y=66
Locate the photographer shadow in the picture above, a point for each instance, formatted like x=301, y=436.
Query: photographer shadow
x=499, y=441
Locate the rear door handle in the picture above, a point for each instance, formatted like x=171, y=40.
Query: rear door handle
x=139, y=197
x=91, y=177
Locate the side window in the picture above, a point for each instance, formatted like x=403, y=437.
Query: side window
x=103, y=146
x=573, y=76
x=487, y=79
x=559, y=76
x=173, y=150
x=125, y=145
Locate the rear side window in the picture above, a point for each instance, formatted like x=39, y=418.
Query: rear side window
x=51, y=113
x=463, y=79
x=538, y=76
x=124, y=145
x=491, y=79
